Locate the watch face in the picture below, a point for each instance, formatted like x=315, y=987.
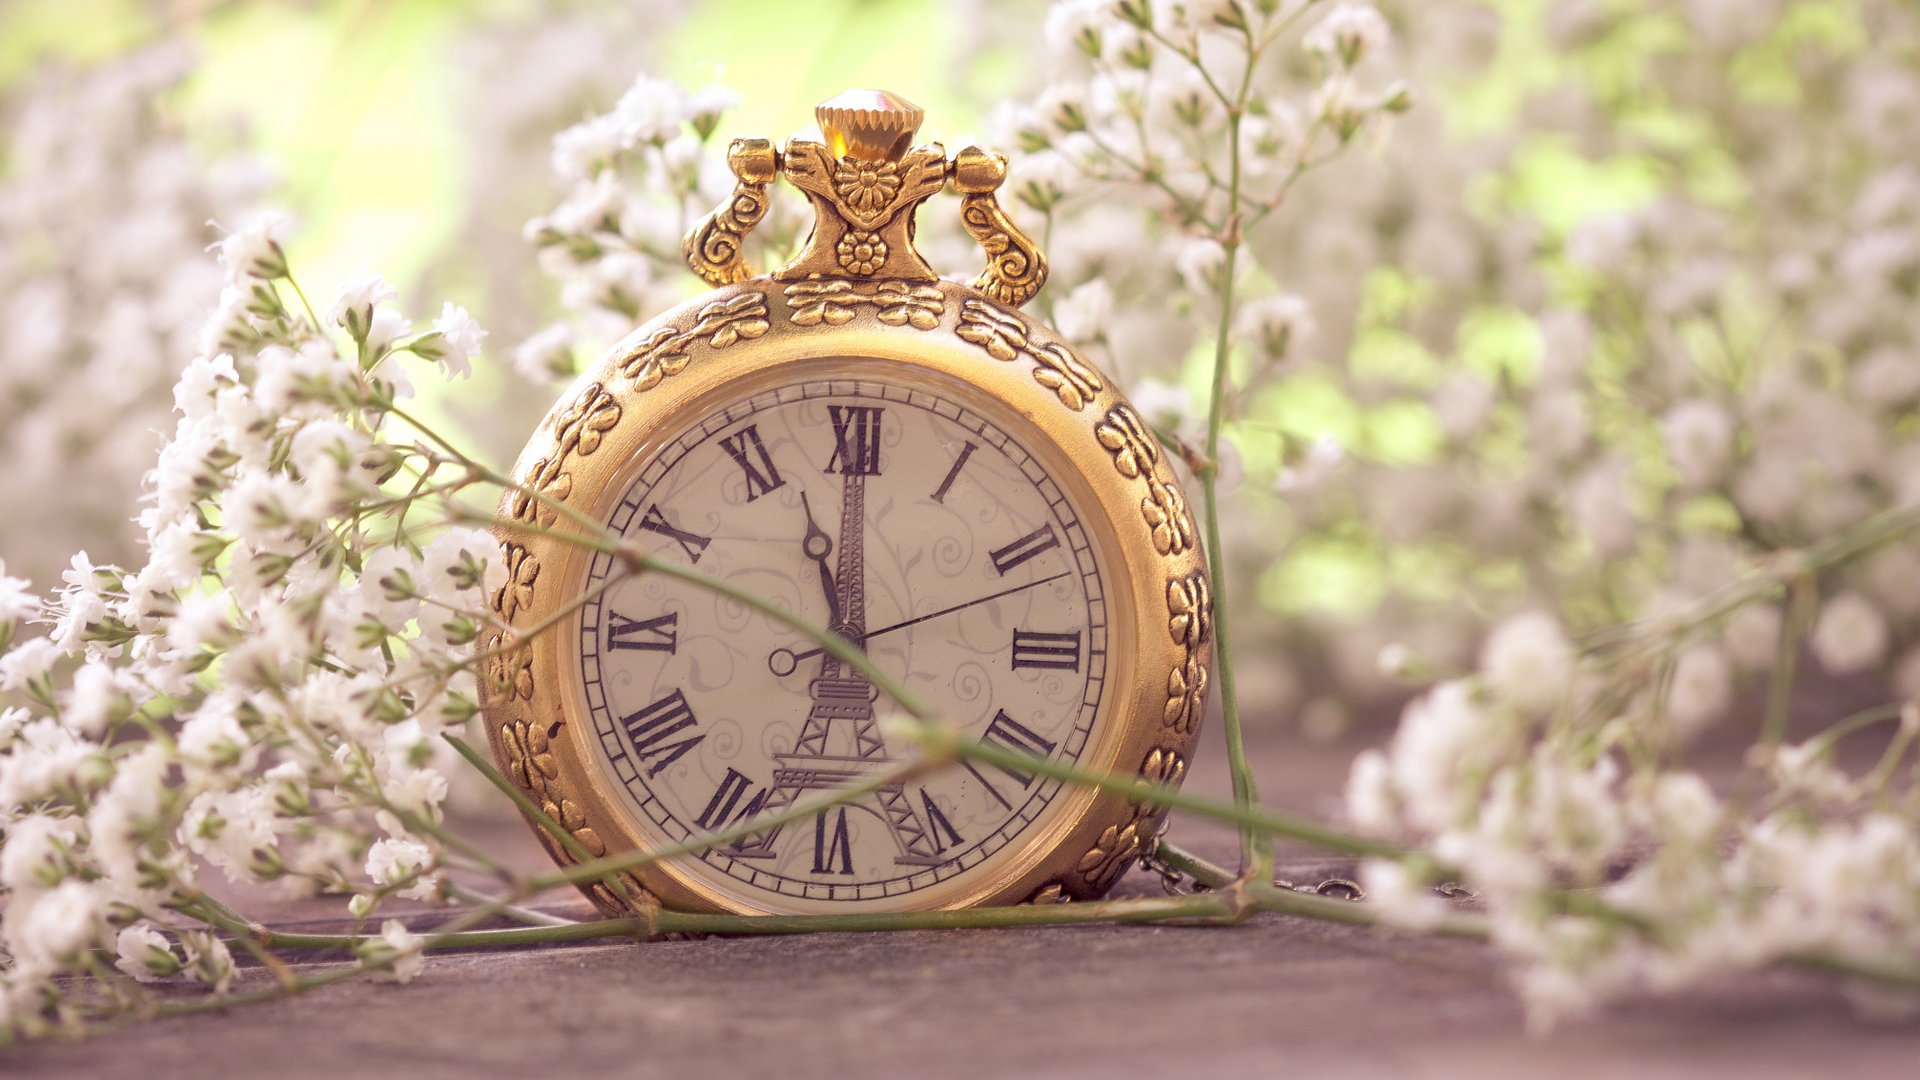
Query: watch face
x=916, y=527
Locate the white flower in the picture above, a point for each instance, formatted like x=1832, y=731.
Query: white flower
x=208, y=959
x=1323, y=457
x=1440, y=733
x=1526, y=662
x=546, y=355
x=36, y=854
x=1889, y=378
x=233, y=830
x=16, y=597
x=651, y=110
x=1400, y=898
x=1370, y=800
x=1084, y=314
x=394, y=956
x=145, y=954
x=1202, y=264
x=354, y=302
x=99, y=695
x=1850, y=635
x=48, y=929
x=454, y=342
x=461, y=560
x=1348, y=32
x=1278, y=325
x=253, y=251
x=1699, y=440
x=387, y=327
x=1753, y=636
x=1078, y=26
x=391, y=861
x=1701, y=689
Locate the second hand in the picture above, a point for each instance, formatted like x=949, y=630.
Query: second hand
x=792, y=659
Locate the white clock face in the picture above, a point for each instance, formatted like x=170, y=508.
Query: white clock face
x=916, y=529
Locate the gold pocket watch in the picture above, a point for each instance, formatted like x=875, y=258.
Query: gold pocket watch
x=906, y=461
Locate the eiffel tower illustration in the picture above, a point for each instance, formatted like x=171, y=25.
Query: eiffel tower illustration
x=840, y=693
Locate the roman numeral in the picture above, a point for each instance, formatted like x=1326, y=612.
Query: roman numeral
x=1006, y=733
x=856, y=439
x=835, y=855
x=658, y=634
x=937, y=824
x=1035, y=650
x=731, y=794
x=751, y=455
x=691, y=543
x=940, y=493
x=653, y=730
x=1037, y=542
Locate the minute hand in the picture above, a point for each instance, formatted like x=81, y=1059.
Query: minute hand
x=797, y=657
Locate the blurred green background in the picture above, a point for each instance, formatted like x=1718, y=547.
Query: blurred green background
x=359, y=103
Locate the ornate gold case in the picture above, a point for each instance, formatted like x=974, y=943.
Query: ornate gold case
x=859, y=296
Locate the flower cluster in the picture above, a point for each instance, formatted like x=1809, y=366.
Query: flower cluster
x=1168, y=131
x=263, y=694
x=1602, y=414
x=1603, y=874
x=635, y=179
x=104, y=204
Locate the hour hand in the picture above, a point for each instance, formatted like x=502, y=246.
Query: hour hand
x=818, y=545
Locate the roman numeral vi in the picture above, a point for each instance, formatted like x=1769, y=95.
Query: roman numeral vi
x=832, y=855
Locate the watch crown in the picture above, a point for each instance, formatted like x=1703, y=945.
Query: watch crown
x=869, y=125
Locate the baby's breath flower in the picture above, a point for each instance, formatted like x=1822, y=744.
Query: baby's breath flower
x=355, y=301
x=1850, y=636
x=145, y=954
x=1527, y=663
x=394, y=956
x=455, y=340
x=1348, y=33
x=253, y=253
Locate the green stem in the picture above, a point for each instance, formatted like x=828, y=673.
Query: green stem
x=1195, y=867
x=1147, y=909
x=553, y=828
x=946, y=742
x=843, y=650
x=1256, y=851
x=798, y=811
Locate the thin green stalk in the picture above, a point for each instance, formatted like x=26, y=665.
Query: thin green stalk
x=1147, y=909
x=946, y=742
x=525, y=916
x=1256, y=851
x=1785, y=661
x=1199, y=869
x=843, y=650
x=528, y=807
x=798, y=811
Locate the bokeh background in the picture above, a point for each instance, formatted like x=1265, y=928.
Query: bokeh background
x=1620, y=310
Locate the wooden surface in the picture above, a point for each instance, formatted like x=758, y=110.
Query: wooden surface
x=1276, y=996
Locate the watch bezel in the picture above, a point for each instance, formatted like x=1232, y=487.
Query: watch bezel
x=745, y=337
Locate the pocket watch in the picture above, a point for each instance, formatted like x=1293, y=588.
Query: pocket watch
x=908, y=462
